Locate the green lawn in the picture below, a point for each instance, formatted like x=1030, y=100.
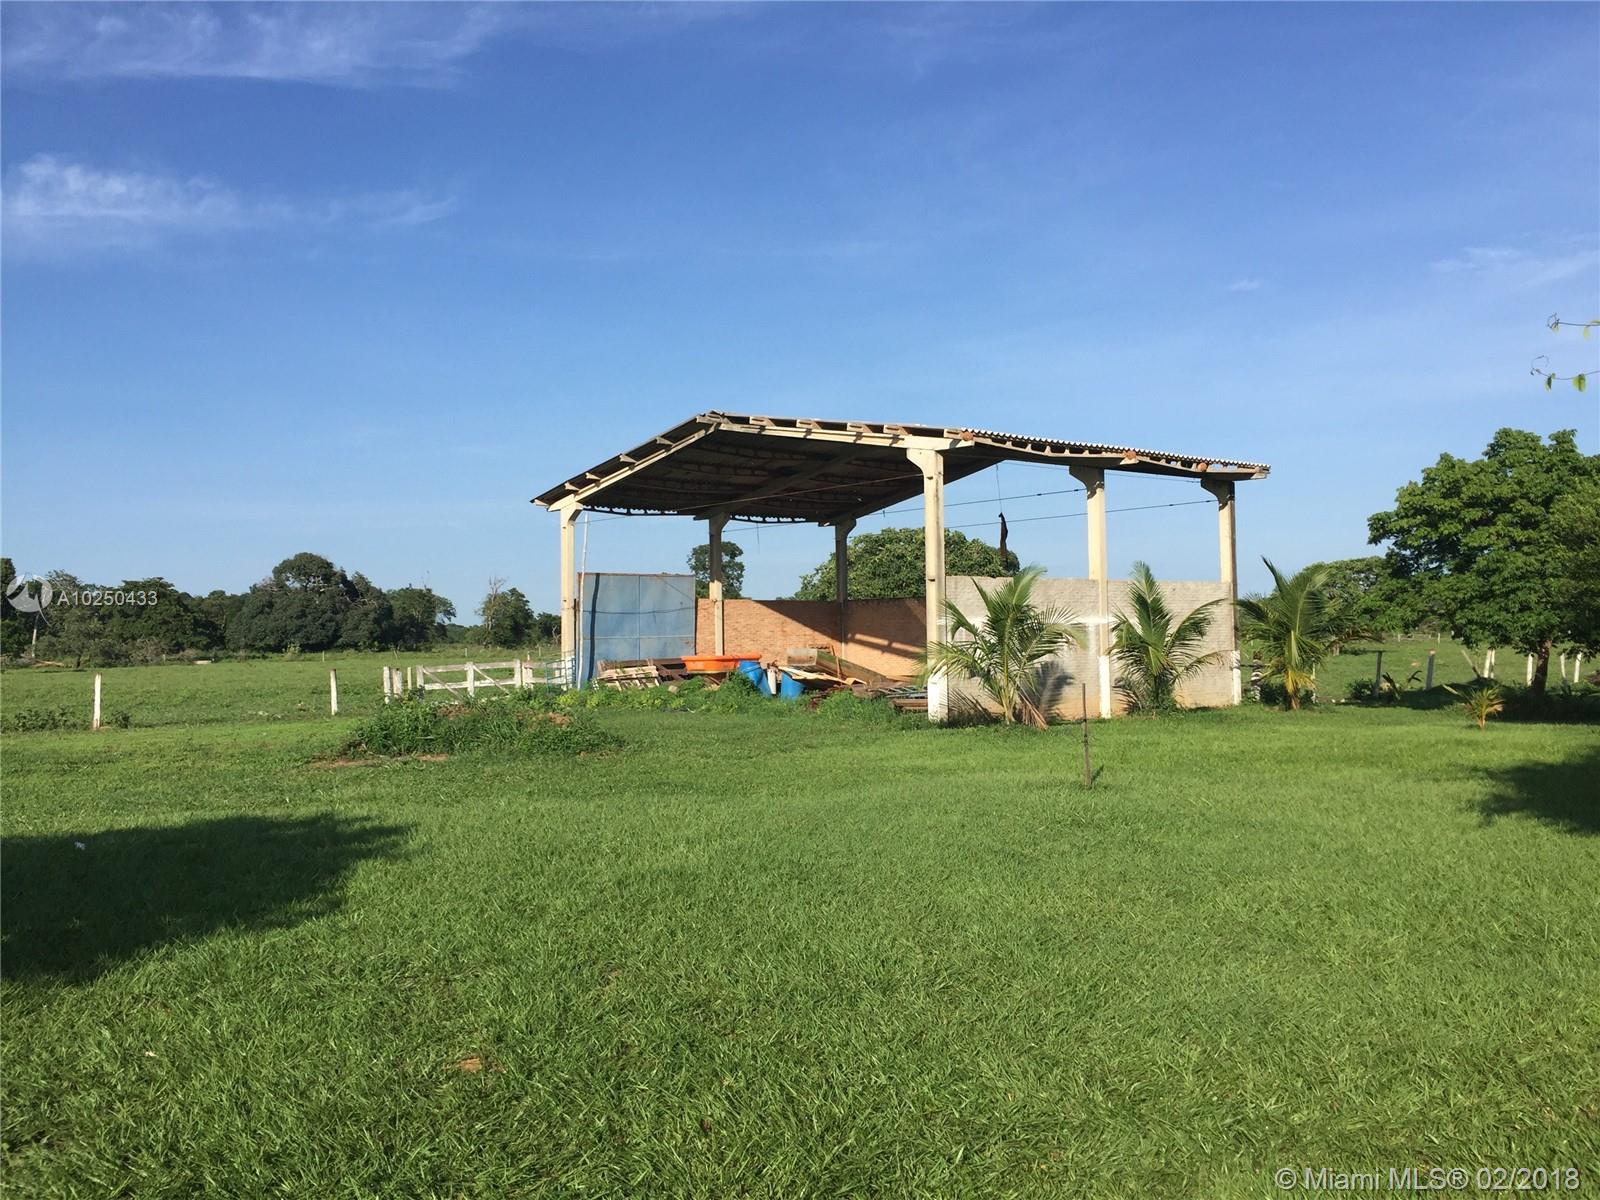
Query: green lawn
x=266, y=689
x=788, y=957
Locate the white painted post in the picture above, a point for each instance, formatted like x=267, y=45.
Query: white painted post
x=714, y=589
x=472, y=680
x=516, y=673
x=94, y=721
x=931, y=464
x=1094, y=485
x=333, y=692
x=569, y=591
x=1577, y=669
x=1228, y=550
x=388, y=684
x=1428, y=683
x=841, y=580
x=1529, y=680
x=1563, y=668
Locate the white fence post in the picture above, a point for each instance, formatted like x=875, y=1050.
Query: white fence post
x=94, y=722
x=472, y=681
x=388, y=684
x=1577, y=669
x=333, y=693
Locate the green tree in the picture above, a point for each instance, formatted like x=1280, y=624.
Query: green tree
x=301, y=604
x=158, y=618
x=890, y=564
x=1294, y=628
x=507, y=617
x=16, y=626
x=1154, y=650
x=546, y=626
x=1366, y=591
x=732, y=569
x=420, y=616
x=73, y=630
x=368, y=621
x=1007, y=655
x=1479, y=540
x=1575, y=527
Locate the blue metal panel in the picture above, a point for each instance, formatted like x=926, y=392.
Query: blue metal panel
x=634, y=616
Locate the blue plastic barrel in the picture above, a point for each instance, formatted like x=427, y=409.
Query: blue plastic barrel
x=756, y=674
x=789, y=688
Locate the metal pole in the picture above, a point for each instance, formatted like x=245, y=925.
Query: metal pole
x=1088, y=773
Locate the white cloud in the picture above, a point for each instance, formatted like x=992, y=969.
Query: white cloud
x=53, y=205
x=1519, y=269
x=333, y=44
x=340, y=44
x=1247, y=285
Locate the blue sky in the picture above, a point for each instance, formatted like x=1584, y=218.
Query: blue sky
x=362, y=280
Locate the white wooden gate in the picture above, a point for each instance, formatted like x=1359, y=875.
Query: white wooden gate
x=467, y=679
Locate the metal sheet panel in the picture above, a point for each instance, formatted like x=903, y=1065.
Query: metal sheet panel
x=634, y=616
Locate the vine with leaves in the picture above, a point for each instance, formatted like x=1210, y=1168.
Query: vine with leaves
x=1541, y=364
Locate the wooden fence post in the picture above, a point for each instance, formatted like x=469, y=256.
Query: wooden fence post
x=1429, y=684
x=94, y=721
x=333, y=692
x=1377, y=673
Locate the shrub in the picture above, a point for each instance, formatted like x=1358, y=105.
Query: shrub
x=1480, y=703
x=517, y=724
x=35, y=720
x=1361, y=691
x=845, y=705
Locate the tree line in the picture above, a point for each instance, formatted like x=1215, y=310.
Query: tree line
x=305, y=604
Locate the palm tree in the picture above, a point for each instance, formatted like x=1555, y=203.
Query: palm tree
x=1007, y=654
x=1295, y=627
x=1155, y=652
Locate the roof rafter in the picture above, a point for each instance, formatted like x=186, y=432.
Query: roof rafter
x=753, y=467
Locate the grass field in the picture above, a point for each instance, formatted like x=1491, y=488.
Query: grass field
x=283, y=689
x=788, y=957
x=265, y=689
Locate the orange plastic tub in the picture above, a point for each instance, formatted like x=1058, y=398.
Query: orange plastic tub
x=714, y=662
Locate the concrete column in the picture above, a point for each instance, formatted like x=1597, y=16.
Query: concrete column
x=569, y=590
x=1094, y=483
x=931, y=464
x=841, y=577
x=718, y=614
x=1228, y=553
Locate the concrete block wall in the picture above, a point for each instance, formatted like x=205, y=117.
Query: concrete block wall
x=884, y=636
x=1076, y=667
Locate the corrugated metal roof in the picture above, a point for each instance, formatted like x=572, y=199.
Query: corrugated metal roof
x=816, y=469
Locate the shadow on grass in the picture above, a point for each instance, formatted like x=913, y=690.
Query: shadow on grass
x=1565, y=794
x=72, y=914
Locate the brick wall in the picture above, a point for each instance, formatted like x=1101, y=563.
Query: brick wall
x=884, y=636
